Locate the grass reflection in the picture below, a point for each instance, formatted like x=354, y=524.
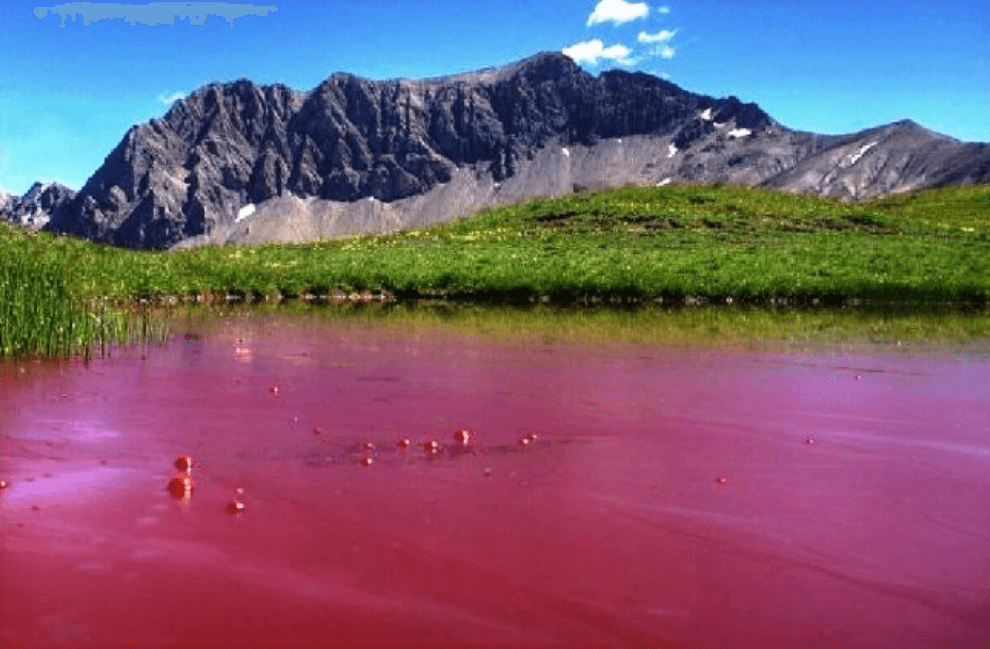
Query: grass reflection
x=709, y=326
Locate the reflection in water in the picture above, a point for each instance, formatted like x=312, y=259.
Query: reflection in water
x=242, y=351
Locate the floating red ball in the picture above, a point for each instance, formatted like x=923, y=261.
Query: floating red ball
x=181, y=487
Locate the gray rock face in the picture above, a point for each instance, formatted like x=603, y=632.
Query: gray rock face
x=379, y=154
x=36, y=207
x=889, y=159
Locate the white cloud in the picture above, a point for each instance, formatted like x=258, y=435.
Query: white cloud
x=168, y=99
x=663, y=10
x=591, y=51
x=617, y=12
x=665, y=52
x=661, y=36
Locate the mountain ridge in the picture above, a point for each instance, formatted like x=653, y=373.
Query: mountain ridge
x=356, y=155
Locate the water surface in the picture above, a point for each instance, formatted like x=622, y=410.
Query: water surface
x=671, y=497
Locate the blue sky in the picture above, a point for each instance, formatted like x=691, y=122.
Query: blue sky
x=69, y=93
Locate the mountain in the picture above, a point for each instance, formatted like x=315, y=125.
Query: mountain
x=35, y=208
x=239, y=162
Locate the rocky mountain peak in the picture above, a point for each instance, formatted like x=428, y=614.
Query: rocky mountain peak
x=350, y=138
x=537, y=126
x=546, y=65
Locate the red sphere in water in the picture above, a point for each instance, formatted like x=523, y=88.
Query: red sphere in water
x=721, y=480
x=369, y=446
x=524, y=441
x=235, y=506
x=462, y=437
x=431, y=446
x=317, y=431
x=367, y=461
x=184, y=463
x=403, y=443
x=3, y=484
x=181, y=487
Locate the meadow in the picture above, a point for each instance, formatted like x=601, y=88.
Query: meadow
x=673, y=245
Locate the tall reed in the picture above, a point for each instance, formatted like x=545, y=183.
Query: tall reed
x=38, y=314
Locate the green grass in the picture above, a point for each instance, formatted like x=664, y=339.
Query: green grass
x=942, y=208
x=673, y=244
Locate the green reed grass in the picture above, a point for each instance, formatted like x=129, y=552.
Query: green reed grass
x=36, y=314
x=41, y=316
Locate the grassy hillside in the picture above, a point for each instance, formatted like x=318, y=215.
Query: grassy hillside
x=675, y=243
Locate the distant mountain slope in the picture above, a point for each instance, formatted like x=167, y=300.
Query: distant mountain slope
x=241, y=162
x=884, y=160
x=35, y=208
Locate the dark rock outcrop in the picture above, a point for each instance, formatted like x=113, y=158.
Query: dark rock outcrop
x=229, y=154
x=37, y=206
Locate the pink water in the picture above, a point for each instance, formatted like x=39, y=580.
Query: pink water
x=671, y=498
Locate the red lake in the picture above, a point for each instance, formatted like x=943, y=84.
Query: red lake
x=670, y=497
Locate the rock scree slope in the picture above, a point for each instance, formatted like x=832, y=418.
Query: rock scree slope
x=239, y=162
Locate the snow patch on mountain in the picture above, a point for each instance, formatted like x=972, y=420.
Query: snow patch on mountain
x=854, y=158
x=244, y=212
